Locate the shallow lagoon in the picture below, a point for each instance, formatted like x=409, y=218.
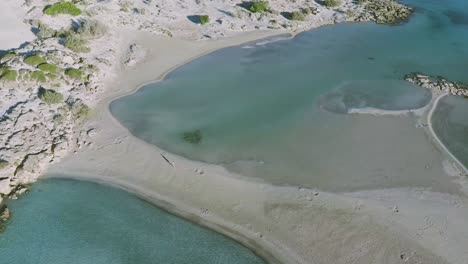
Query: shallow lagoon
x=450, y=123
x=66, y=221
x=279, y=111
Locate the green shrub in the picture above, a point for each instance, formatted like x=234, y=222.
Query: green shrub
x=9, y=75
x=38, y=76
x=91, y=28
x=3, y=69
x=331, y=3
x=193, y=137
x=297, y=15
x=76, y=43
x=51, y=76
x=80, y=110
x=74, y=73
x=7, y=57
x=34, y=60
x=204, y=19
x=3, y=164
x=62, y=8
x=50, y=96
x=46, y=67
x=44, y=31
x=58, y=119
x=259, y=6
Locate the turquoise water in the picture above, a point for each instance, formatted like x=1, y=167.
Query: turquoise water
x=73, y=222
x=279, y=111
x=450, y=123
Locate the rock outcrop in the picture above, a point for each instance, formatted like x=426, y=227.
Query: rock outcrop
x=384, y=11
x=438, y=84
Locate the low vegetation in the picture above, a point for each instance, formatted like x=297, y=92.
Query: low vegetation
x=3, y=164
x=46, y=67
x=34, y=60
x=80, y=110
x=50, y=96
x=7, y=57
x=297, y=15
x=91, y=28
x=331, y=3
x=8, y=75
x=204, y=19
x=192, y=137
x=68, y=8
x=37, y=76
x=76, y=43
x=74, y=73
x=258, y=6
x=43, y=31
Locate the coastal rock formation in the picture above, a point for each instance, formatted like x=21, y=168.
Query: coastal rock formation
x=438, y=84
x=384, y=11
x=4, y=216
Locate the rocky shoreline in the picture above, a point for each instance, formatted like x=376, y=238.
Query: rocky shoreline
x=49, y=85
x=384, y=12
x=438, y=84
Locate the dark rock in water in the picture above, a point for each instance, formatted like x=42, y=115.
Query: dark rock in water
x=4, y=214
x=457, y=17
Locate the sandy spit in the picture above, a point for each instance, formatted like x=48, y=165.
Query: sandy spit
x=281, y=224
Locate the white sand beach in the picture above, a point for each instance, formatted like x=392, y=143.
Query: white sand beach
x=14, y=31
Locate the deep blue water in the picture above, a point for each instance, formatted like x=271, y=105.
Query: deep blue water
x=73, y=222
x=279, y=111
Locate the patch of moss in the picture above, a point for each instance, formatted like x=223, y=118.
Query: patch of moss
x=192, y=137
x=50, y=96
x=74, y=73
x=34, y=60
x=46, y=67
x=68, y=8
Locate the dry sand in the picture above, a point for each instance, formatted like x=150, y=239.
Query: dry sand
x=14, y=31
x=282, y=224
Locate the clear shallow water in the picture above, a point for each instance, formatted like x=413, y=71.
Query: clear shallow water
x=278, y=111
x=450, y=123
x=65, y=221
